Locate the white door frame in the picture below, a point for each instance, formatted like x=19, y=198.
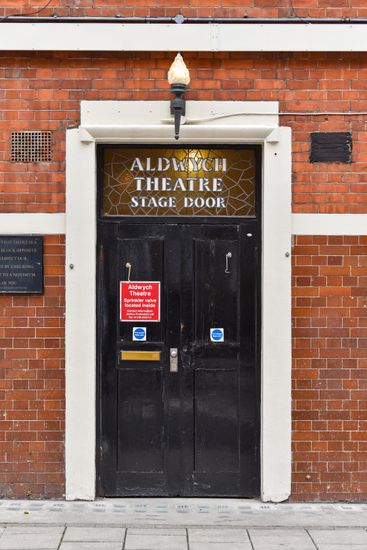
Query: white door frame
x=146, y=123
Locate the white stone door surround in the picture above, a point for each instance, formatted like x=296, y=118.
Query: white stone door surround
x=148, y=122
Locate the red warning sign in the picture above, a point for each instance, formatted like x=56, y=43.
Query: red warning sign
x=140, y=301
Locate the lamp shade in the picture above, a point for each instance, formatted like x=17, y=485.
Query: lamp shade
x=178, y=73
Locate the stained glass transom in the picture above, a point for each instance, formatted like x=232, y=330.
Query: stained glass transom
x=178, y=182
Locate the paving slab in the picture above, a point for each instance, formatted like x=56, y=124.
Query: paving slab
x=339, y=536
x=27, y=536
x=340, y=547
x=34, y=529
x=220, y=546
x=162, y=531
x=217, y=535
x=281, y=539
x=34, y=540
x=94, y=534
x=91, y=546
x=155, y=542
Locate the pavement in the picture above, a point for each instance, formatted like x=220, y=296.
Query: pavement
x=181, y=524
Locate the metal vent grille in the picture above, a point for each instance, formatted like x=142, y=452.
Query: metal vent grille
x=331, y=147
x=31, y=147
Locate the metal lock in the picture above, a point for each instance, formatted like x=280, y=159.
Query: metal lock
x=173, y=360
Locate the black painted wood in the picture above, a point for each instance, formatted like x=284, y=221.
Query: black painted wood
x=332, y=147
x=195, y=432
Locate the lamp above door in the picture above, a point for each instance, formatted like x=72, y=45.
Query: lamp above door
x=178, y=78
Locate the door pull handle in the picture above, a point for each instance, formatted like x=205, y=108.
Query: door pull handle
x=173, y=360
x=228, y=255
x=129, y=267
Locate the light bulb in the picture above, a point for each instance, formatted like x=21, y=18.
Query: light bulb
x=178, y=73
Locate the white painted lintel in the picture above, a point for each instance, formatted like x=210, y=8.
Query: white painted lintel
x=188, y=134
x=32, y=224
x=329, y=224
x=286, y=37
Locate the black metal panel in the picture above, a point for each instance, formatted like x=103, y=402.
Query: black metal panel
x=21, y=264
x=332, y=147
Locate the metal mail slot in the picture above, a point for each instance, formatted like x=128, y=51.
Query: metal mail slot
x=140, y=355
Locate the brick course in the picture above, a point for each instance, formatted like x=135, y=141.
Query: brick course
x=39, y=91
x=329, y=368
x=193, y=8
x=32, y=385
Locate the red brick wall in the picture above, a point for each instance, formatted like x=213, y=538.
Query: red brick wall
x=32, y=385
x=209, y=8
x=44, y=92
x=329, y=368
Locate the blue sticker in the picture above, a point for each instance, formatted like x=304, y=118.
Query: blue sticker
x=217, y=335
x=139, y=334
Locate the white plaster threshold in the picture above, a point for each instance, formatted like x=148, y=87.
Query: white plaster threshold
x=270, y=37
x=302, y=224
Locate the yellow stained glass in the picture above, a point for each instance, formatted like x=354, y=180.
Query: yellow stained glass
x=186, y=181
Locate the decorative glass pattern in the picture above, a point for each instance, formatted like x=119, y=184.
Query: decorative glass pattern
x=168, y=181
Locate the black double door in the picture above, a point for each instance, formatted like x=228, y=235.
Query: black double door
x=185, y=426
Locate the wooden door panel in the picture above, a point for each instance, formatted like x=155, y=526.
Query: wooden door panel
x=216, y=292
x=194, y=432
x=132, y=411
x=216, y=421
x=225, y=420
x=145, y=254
x=141, y=422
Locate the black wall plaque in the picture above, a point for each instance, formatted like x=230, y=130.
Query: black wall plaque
x=21, y=264
x=331, y=147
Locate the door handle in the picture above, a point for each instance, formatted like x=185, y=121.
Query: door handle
x=228, y=255
x=173, y=360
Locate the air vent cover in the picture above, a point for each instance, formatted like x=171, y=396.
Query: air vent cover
x=31, y=146
x=331, y=147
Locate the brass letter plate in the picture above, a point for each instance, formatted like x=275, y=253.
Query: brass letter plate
x=140, y=355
